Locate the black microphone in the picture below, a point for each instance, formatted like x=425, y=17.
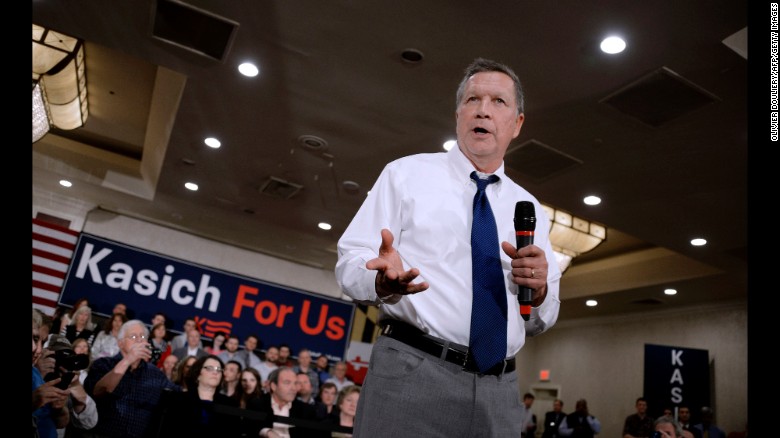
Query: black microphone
x=525, y=224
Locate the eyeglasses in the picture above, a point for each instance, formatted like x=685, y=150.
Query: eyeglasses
x=136, y=338
x=212, y=369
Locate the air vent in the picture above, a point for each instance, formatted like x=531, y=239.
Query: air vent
x=648, y=301
x=538, y=161
x=659, y=97
x=280, y=188
x=193, y=29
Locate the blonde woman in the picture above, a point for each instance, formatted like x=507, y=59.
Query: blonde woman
x=80, y=326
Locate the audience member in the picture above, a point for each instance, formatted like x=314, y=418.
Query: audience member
x=250, y=386
x=638, y=425
x=181, y=370
x=67, y=316
x=305, y=389
x=169, y=365
x=322, y=367
x=46, y=326
x=684, y=417
x=81, y=407
x=327, y=401
x=339, y=377
x=159, y=335
x=347, y=402
x=179, y=341
x=80, y=326
x=159, y=318
x=707, y=428
x=252, y=358
x=268, y=365
x=106, y=343
x=126, y=387
x=217, y=342
x=192, y=348
x=231, y=384
x=553, y=419
x=528, y=419
x=580, y=424
x=285, y=356
x=49, y=410
x=281, y=402
x=231, y=352
x=191, y=414
x=667, y=427
x=305, y=366
x=81, y=346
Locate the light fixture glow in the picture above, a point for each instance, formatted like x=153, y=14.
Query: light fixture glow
x=248, y=69
x=59, y=82
x=670, y=291
x=591, y=303
x=66, y=183
x=449, y=144
x=698, y=242
x=612, y=45
x=324, y=226
x=571, y=236
x=212, y=142
x=592, y=200
x=191, y=186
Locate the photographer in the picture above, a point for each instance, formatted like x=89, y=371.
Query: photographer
x=81, y=408
x=48, y=401
x=126, y=387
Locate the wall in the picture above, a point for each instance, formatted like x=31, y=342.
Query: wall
x=602, y=360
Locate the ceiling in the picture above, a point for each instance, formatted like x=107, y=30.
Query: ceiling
x=659, y=132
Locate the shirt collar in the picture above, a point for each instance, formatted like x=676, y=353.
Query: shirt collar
x=463, y=168
x=276, y=405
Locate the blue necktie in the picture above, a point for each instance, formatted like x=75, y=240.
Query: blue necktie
x=488, y=309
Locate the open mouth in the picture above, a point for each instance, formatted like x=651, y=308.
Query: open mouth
x=479, y=130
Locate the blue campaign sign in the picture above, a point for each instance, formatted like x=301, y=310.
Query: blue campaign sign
x=107, y=272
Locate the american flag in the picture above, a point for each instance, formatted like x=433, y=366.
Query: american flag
x=52, y=251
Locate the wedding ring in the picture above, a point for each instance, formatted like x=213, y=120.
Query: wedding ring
x=533, y=273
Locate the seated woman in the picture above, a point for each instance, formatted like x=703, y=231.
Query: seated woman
x=106, y=343
x=80, y=326
x=327, y=408
x=250, y=386
x=347, y=404
x=217, y=342
x=169, y=366
x=192, y=413
x=158, y=334
x=181, y=370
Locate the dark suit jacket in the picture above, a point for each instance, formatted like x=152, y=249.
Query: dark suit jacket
x=299, y=410
x=181, y=353
x=552, y=420
x=184, y=414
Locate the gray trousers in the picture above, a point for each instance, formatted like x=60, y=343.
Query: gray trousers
x=409, y=393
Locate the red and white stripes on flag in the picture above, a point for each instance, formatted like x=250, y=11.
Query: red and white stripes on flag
x=52, y=251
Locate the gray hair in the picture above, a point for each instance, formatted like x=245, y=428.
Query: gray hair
x=482, y=65
x=37, y=320
x=128, y=324
x=664, y=419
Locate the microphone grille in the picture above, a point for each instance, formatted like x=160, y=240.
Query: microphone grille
x=525, y=210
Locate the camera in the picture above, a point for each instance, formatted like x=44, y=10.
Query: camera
x=66, y=363
x=156, y=353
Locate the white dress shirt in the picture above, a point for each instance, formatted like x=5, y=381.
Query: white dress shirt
x=426, y=201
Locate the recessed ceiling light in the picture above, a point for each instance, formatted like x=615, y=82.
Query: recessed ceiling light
x=312, y=142
x=324, y=226
x=212, y=142
x=449, y=144
x=191, y=186
x=248, y=69
x=412, y=56
x=592, y=200
x=698, y=241
x=591, y=303
x=670, y=291
x=613, y=45
x=65, y=183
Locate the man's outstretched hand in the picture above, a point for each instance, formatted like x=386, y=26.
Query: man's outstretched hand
x=392, y=282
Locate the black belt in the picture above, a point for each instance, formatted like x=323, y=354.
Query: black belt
x=449, y=351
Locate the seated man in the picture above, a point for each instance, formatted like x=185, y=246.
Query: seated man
x=282, y=402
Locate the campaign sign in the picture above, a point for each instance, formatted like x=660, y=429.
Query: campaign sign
x=676, y=376
x=107, y=272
